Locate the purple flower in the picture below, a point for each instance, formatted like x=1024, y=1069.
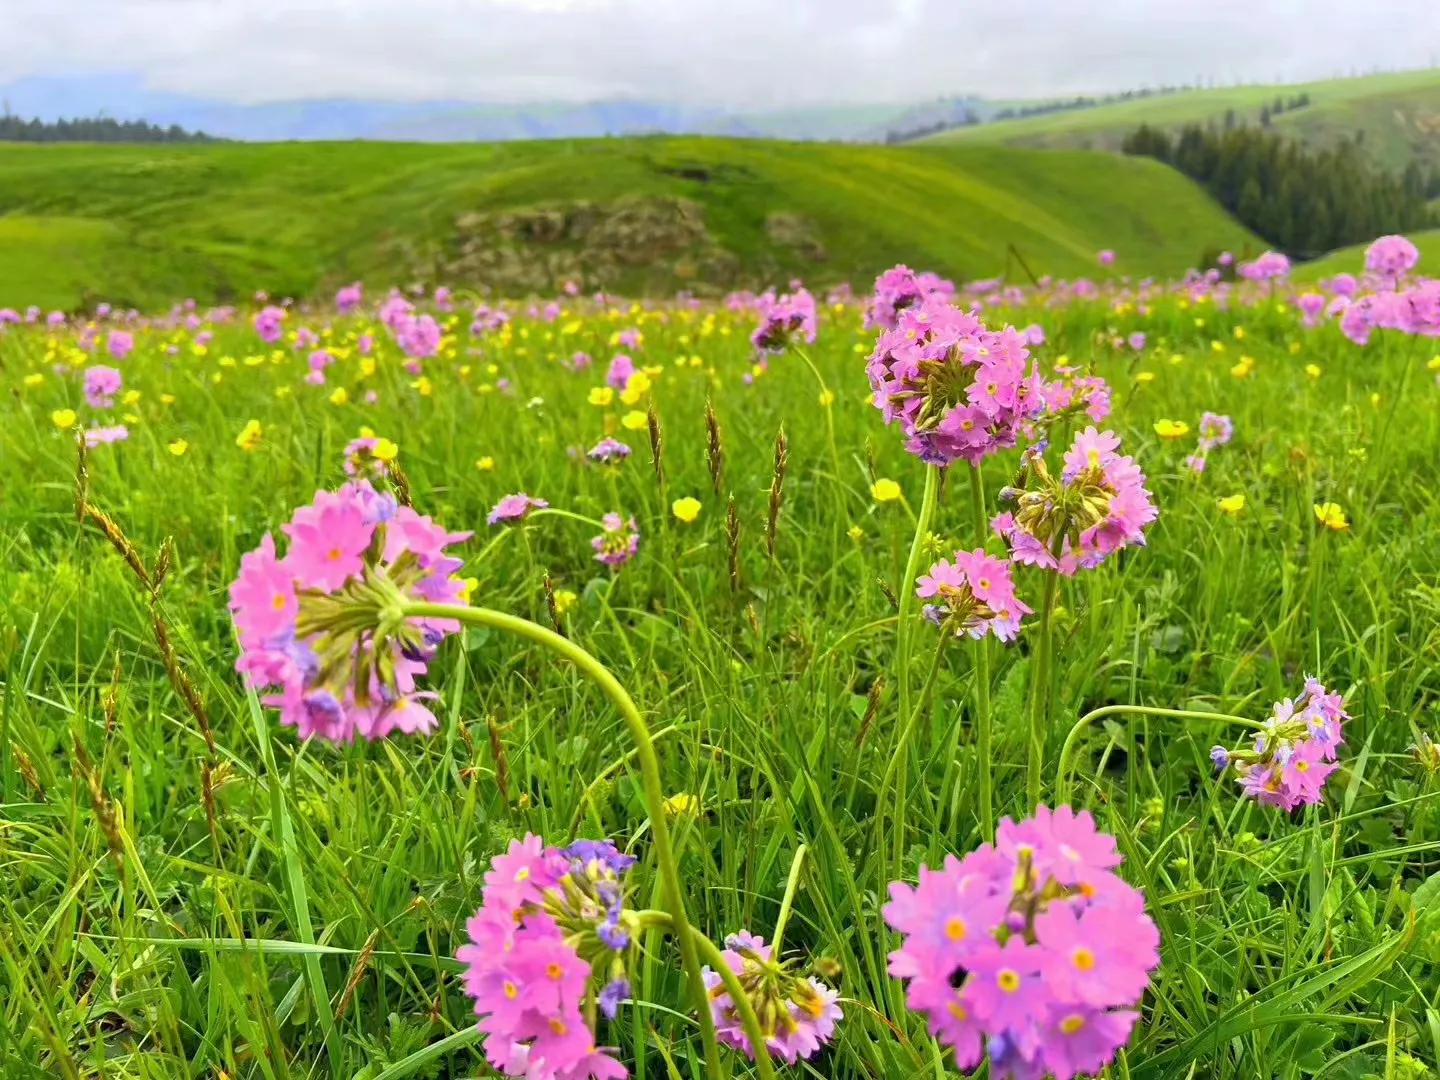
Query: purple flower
x=1136, y=341
x=348, y=298
x=120, y=343
x=1391, y=258
x=797, y=1015
x=101, y=386
x=609, y=451
x=783, y=320
x=419, y=337
x=619, y=372
x=1215, y=430
x=515, y=507
x=1105, y=257
x=901, y=288
x=269, y=324
x=100, y=436
x=619, y=543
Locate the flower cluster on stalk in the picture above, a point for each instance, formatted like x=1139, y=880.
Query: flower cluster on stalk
x=1032, y=951
x=973, y=594
x=900, y=288
x=546, y=954
x=797, y=1015
x=784, y=320
x=323, y=626
x=1289, y=761
x=1096, y=506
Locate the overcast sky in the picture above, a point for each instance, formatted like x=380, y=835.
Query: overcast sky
x=744, y=53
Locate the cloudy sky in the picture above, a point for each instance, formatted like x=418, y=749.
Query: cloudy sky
x=748, y=53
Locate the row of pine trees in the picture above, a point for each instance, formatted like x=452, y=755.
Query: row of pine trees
x=1302, y=201
x=99, y=129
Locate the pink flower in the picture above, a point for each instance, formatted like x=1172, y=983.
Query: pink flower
x=1294, y=754
x=419, y=337
x=783, y=320
x=1032, y=950
x=1106, y=257
x=797, y=1015
x=120, y=343
x=619, y=372
x=269, y=324
x=328, y=542
x=619, y=543
x=900, y=288
x=1391, y=258
x=515, y=507
x=101, y=386
x=101, y=436
x=975, y=594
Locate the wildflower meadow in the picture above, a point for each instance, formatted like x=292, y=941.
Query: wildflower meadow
x=912, y=680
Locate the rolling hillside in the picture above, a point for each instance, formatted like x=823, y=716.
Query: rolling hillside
x=1398, y=113
x=143, y=225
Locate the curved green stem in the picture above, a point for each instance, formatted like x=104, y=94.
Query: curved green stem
x=905, y=631
x=650, y=779
x=743, y=1005
x=796, y=864
x=1063, y=770
x=906, y=734
x=1040, y=693
x=982, y=677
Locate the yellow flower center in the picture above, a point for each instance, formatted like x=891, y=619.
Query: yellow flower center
x=279, y=602
x=958, y=1011
x=1072, y=1023
x=335, y=554
x=1083, y=959
x=555, y=971
x=1008, y=980
x=523, y=874
x=558, y=1026
x=511, y=990
x=1302, y=766
x=956, y=929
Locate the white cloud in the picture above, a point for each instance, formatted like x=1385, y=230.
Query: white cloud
x=728, y=52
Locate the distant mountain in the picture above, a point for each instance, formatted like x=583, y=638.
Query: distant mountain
x=126, y=97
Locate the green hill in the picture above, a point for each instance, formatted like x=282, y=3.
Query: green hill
x=146, y=224
x=1398, y=114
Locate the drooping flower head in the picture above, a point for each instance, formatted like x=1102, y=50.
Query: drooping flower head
x=324, y=626
x=101, y=386
x=796, y=1014
x=784, y=320
x=1033, y=951
x=900, y=288
x=1097, y=505
x=619, y=543
x=515, y=507
x=608, y=451
x=974, y=594
x=957, y=389
x=546, y=949
x=1292, y=757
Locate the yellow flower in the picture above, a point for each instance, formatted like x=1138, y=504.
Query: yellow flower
x=178, y=447
x=1295, y=348
x=34, y=379
x=64, y=419
x=1244, y=367
x=635, y=420
x=1144, y=377
x=467, y=588
x=1239, y=333
x=1217, y=346
x=167, y=399
x=564, y=600
x=686, y=509
x=635, y=388
x=226, y=361
x=1375, y=399
x=1331, y=516
x=283, y=391
x=485, y=464
x=249, y=437
x=885, y=491
x=1177, y=358
x=1434, y=364
x=1232, y=504
x=676, y=805
x=131, y=397
x=601, y=395
x=384, y=450
x=339, y=396
x=367, y=366
x=856, y=533
x=827, y=398
x=423, y=385
x=1172, y=429
x=1313, y=370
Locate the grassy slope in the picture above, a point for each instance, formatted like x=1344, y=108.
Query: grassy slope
x=144, y=224
x=1352, y=259
x=1399, y=113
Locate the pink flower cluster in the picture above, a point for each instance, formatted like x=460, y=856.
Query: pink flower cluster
x=1032, y=951
x=1097, y=506
x=550, y=918
x=1268, y=267
x=783, y=320
x=348, y=299
x=798, y=1015
x=1391, y=258
x=1215, y=430
x=269, y=323
x=901, y=288
x=974, y=595
x=619, y=543
x=309, y=621
x=1415, y=310
x=101, y=386
x=957, y=389
x=1294, y=755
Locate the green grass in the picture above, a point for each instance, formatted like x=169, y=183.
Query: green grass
x=218, y=222
x=140, y=944
x=1398, y=113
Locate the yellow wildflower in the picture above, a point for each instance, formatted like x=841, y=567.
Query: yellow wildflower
x=1232, y=504
x=686, y=509
x=601, y=395
x=885, y=491
x=339, y=396
x=178, y=447
x=1331, y=516
x=486, y=464
x=249, y=437
x=64, y=419
x=635, y=420
x=1172, y=429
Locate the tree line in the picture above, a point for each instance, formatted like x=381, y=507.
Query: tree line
x=1299, y=200
x=96, y=129
x=1083, y=101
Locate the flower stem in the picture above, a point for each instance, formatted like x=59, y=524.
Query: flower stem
x=1062, y=771
x=982, y=677
x=825, y=403
x=685, y=935
x=905, y=632
x=796, y=864
x=1040, y=693
x=907, y=733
